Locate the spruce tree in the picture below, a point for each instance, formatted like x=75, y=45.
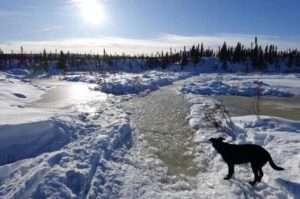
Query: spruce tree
x=62, y=61
x=224, y=55
x=45, y=63
x=195, y=54
x=202, y=50
x=237, y=55
x=184, y=58
x=290, y=60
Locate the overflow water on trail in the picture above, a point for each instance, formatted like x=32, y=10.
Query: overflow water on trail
x=161, y=118
x=285, y=107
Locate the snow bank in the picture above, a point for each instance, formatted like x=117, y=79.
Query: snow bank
x=31, y=139
x=15, y=94
x=78, y=169
x=246, y=88
x=83, y=77
x=244, y=85
x=129, y=83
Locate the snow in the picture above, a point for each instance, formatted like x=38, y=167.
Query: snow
x=76, y=165
x=31, y=139
x=60, y=140
x=39, y=100
x=12, y=91
x=72, y=139
x=129, y=83
x=279, y=136
x=244, y=85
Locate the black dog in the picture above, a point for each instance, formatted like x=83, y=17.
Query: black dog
x=239, y=154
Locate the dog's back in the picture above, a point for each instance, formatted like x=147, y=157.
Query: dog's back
x=244, y=153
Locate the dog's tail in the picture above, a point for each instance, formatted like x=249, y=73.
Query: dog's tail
x=273, y=165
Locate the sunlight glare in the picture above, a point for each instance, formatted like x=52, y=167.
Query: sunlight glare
x=91, y=11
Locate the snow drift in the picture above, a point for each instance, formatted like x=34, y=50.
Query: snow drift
x=31, y=139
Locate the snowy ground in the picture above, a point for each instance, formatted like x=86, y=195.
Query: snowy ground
x=73, y=139
x=244, y=85
x=66, y=139
x=279, y=136
x=59, y=140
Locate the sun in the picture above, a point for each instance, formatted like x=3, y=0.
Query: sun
x=91, y=11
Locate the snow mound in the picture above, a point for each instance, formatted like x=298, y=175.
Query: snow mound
x=79, y=163
x=129, y=83
x=15, y=95
x=31, y=139
x=82, y=78
x=244, y=88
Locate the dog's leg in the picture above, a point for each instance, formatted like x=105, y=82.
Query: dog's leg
x=256, y=174
x=261, y=174
x=230, y=171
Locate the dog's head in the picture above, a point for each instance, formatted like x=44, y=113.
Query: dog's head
x=217, y=142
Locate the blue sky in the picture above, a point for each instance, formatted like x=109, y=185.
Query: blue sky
x=137, y=24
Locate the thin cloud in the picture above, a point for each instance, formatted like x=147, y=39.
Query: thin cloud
x=147, y=46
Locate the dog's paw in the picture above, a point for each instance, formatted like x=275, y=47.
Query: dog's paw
x=252, y=183
x=227, y=178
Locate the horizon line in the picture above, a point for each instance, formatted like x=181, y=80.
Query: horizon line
x=131, y=46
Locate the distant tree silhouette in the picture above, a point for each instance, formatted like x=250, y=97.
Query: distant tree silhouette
x=45, y=63
x=195, y=54
x=237, y=55
x=224, y=55
x=62, y=61
x=184, y=58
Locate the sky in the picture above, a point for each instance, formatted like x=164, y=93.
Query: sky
x=137, y=26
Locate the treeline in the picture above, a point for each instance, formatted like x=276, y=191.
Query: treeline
x=257, y=56
x=183, y=57
x=67, y=60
